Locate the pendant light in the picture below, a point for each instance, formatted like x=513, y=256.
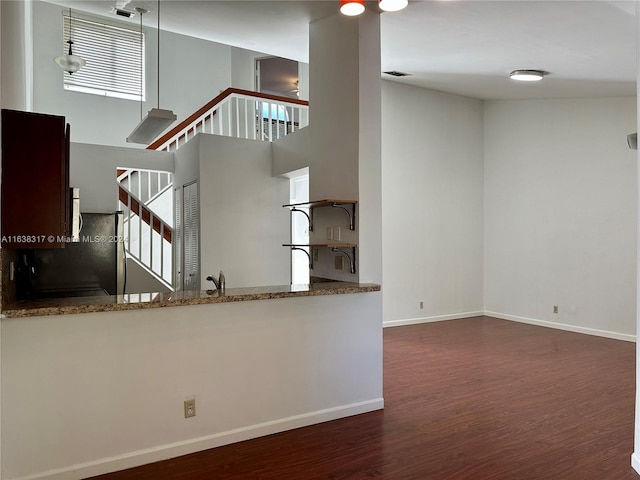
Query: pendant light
x=392, y=5
x=157, y=120
x=351, y=8
x=69, y=62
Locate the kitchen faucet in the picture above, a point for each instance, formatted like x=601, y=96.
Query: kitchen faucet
x=218, y=282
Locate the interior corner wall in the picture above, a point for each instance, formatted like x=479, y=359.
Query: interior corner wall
x=370, y=153
x=192, y=72
x=243, y=68
x=561, y=212
x=432, y=190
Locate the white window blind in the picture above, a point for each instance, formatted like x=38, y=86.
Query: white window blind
x=114, y=55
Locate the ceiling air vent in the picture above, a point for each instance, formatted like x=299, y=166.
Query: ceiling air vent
x=395, y=73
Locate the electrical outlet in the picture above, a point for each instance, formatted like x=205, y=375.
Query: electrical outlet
x=421, y=305
x=555, y=309
x=337, y=234
x=329, y=233
x=190, y=408
x=337, y=262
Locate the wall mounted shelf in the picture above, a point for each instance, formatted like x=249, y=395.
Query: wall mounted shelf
x=336, y=247
x=349, y=206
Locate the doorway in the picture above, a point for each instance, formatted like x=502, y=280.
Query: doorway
x=277, y=76
x=299, y=193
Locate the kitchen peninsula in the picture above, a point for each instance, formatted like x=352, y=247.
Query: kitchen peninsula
x=256, y=361
x=106, y=303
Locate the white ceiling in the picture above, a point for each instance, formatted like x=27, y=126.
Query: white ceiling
x=463, y=47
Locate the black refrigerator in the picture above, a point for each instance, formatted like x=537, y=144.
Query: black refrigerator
x=94, y=265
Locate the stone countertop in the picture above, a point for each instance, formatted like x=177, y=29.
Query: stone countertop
x=137, y=301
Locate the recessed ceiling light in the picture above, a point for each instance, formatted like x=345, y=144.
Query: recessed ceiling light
x=527, y=75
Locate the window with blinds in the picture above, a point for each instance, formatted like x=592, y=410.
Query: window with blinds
x=114, y=55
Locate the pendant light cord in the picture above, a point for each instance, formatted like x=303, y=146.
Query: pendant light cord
x=70, y=26
x=70, y=39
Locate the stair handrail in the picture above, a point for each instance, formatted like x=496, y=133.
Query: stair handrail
x=195, y=118
x=157, y=224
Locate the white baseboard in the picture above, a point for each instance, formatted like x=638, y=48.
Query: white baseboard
x=635, y=461
x=513, y=318
x=563, y=326
x=436, y=318
x=163, y=452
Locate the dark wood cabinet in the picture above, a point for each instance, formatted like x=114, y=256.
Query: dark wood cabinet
x=35, y=180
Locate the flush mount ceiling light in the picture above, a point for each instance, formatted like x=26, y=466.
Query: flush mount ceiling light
x=356, y=7
x=392, y=5
x=351, y=8
x=157, y=120
x=69, y=62
x=527, y=75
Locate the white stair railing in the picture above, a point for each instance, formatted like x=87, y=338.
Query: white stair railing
x=146, y=185
x=148, y=237
x=240, y=114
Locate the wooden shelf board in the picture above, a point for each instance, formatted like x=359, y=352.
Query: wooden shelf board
x=322, y=203
x=327, y=245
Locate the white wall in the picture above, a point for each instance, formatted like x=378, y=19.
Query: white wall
x=560, y=212
x=243, y=71
x=344, y=143
x=291, y=152
x=334, y=83
x=242, y=222
x=16, y=55
x=139, y=281
x=432, y=209
x=89, y=393
x=93, y=170
x=192, y=72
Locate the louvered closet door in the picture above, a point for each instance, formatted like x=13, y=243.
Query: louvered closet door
x=178, y=232
x=191, y=236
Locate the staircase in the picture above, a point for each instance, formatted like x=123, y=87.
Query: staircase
x=146, y=198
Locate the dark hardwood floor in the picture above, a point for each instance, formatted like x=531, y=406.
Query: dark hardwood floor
x=470, y=399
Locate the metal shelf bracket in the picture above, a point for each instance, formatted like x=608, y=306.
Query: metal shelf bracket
x=351, y=214
x=306, y=253
x=352, y=257
x=308, y=215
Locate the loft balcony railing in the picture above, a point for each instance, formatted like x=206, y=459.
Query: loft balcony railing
x=240, y=114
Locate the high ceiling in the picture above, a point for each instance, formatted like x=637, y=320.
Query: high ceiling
x=463, y=47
